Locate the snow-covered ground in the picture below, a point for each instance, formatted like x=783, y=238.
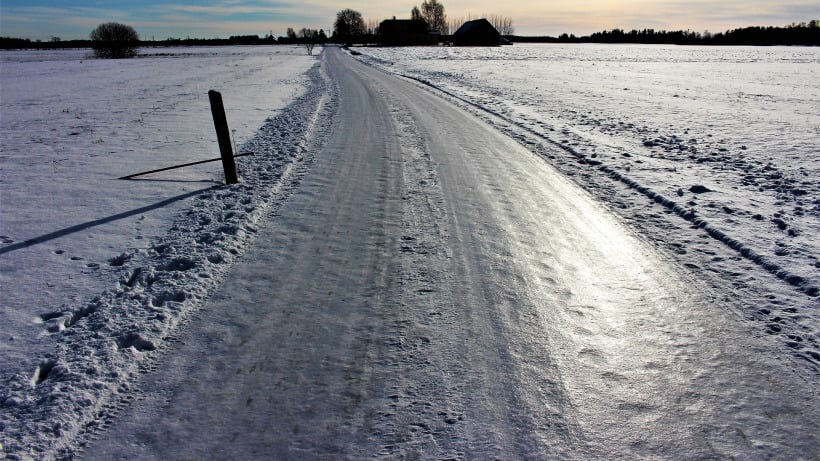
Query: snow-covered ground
x=144, y=252
x=433, y=290
x=691, y=144
x=711, y=153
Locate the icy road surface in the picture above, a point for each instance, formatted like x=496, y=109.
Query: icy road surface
x=434, y=290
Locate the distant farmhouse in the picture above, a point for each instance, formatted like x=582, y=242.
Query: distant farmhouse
x=414, y=32
x=477, y=33
x=406, y=32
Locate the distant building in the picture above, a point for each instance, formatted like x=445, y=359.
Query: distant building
x=477, y=33
x=405, y=32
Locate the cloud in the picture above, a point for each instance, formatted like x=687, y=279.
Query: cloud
x=222, y=10
x=231, y=17
x=586, y=16
x=38, y=22
x=23, y=18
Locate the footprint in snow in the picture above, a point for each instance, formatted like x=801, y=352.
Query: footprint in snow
x=136, y=341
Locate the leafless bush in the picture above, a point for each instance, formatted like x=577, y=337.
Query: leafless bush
x=309, y=37
x=113, y=40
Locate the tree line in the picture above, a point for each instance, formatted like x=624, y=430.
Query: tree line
x=351, y=27
x=11, y=43
x=797, y=34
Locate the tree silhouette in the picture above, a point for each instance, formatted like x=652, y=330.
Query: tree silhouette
x=433, y=12
x=113, y=40
x=309, y=38
x=349, y=24
x=503, y=24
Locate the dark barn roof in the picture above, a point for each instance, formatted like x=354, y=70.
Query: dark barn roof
x=477, y=33
x=404, y=32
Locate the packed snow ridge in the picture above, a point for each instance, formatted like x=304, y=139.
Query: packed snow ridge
x=101, y=345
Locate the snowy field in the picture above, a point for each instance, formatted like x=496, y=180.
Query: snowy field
x=76, y=240
x=693, y=145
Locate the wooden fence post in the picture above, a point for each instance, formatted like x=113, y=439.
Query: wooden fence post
x=223, y=136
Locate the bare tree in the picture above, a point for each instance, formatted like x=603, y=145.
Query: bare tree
x=349, y=24
x=113, y=40
x=415, y=14
x=309, y=38
x=503, y=24
x=508, y=26
x=454, y=23
x=372, y=26
x=433, y=12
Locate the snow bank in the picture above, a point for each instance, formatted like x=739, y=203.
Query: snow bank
x=68, y=361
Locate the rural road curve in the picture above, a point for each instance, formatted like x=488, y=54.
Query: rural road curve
x=433, y=290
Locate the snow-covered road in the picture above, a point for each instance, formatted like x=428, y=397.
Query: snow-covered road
x=433, y=290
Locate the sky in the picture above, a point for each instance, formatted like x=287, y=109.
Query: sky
x=154, y=19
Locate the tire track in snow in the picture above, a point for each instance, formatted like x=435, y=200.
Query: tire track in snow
x=781, y=317
x=465, y=378
x=802, y=283
x=370, y=346
x=598, y=318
